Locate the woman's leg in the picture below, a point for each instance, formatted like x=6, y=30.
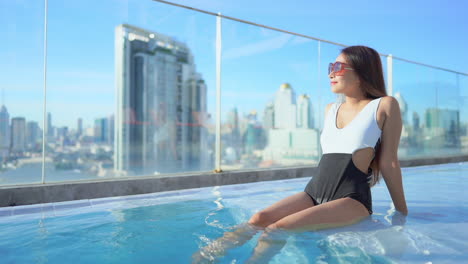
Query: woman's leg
x=245, y=231
x=340, y=212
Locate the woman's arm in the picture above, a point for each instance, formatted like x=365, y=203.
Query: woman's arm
x=388, y=162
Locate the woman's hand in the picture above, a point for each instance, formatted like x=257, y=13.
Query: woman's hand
x=399, y=218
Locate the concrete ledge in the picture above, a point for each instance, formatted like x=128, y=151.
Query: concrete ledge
x=67, y=191
x=58, y=192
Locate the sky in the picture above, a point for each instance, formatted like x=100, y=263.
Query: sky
x=255, y=61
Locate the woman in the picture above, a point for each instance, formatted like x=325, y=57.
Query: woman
x=359, y=141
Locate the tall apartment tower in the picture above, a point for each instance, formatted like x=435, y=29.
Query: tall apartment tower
x=285, y=107
x=304, y=112
x=18, y=135
x=159, y=95
x=5, y=137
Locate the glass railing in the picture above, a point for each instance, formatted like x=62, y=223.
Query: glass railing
x=431, y=104
x=131, y=90
x=269, y=90
x=22, y=93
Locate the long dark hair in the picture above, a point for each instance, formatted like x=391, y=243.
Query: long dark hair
x=367, y=65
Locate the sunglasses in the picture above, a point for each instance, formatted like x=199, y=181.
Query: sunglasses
x=338, y=68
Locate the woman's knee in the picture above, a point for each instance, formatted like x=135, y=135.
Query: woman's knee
x=261, y=219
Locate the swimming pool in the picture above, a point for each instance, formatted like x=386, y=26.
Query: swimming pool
x=168, y=227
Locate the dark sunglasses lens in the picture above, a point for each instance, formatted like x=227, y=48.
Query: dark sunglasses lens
x=337, y=66
x=330, y=68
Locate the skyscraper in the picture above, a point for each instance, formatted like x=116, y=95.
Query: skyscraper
x=101, y=130
x=18, y=135
x=50, y=128
x=285, y=107
x=5, y=138
x=304, y=112
x=159, y=94
x=403, y=107
x=79, y=127
x=32, y=134
x=233, y=138
x=293, y=139
x=269, y=116
x=110, y=130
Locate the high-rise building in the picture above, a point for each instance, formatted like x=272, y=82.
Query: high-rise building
x=285, y=107
x=110, y=130
x=269, y=116
x=50, y=128
x=79, y=127
x=403, y=107
x=101, y=130
x=5, y=137
x=32, y=135
x=304, y=112
x=159, y=94
x=416, y=121
x=233, y=138
x=18, y=135
x=442, y=118
x=292, y=139
x=443, y=127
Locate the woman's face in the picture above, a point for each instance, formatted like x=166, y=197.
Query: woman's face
x=345, y=83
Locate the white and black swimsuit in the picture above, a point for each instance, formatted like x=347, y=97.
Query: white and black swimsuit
x=337, y=176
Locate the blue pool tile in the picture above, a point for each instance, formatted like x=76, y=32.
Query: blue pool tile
x=6, y=211
x=30, y=209
x=71, y=205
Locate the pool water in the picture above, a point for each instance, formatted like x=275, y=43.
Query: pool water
x=168, y=227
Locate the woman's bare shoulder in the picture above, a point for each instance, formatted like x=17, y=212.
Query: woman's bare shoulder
x=388, y=103
x=388, y=108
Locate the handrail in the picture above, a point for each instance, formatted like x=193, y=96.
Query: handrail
x=300, y=35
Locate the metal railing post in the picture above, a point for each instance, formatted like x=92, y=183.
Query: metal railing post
x=44, y=114
x=390, y=74
x=218, y=94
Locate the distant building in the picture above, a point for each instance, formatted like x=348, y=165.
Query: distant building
x=232, y=138
x=416, y=121
x=403, y=107
x=159, y=97
x=269, y=116
x=443, y=127
x=101, y=130
x=79, y=127
x=50, y=128
x=285, y=107
x=5, y=138
x=33, y=135
x=111, y=130
x=18, y=135
x=304, y=112
x=292, y=138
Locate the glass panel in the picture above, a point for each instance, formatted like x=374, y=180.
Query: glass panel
x=445, y=116
x=462, y=83
x=22, y=75
x=270, y=95
x=410, y=81
x=130, y=89
x=431, y=127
